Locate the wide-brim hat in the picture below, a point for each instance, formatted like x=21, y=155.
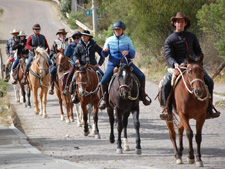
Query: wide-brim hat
x=61, y=31
x=36, y=26
x=14, y=31
x=22, y=33
x=180, y=15
x=87, y=33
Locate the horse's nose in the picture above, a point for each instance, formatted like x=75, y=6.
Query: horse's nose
x=125, y=94
x=198, y=92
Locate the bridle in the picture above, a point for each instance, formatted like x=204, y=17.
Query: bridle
x=191, y=91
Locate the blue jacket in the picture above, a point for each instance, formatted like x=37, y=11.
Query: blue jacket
x=70, y=49
x=116, y=45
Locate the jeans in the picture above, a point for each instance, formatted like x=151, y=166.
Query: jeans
x=15, y=63
x=109, y=73
x=30, y=58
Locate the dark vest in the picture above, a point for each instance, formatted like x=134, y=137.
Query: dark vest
x=38, y=40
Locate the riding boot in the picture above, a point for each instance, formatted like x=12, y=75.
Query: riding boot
x=104, y=102
x=52, y=79
x=24, y=80
x=143, y=96
x=167, y=111
x=210, y=113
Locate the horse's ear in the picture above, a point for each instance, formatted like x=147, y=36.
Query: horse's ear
x=200, y=58
x=85, y=67
x=188, y=58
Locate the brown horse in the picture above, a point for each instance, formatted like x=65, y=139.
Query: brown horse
x=63, y=67
x=191, y=98
x=124, y=99
x=19, y=75
x=87, y=87
x=39, y=78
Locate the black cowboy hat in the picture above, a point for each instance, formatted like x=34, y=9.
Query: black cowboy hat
x=87, y=33
x=61, y=31
x=180, y=15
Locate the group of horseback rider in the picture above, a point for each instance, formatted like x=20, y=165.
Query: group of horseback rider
x=81, y=49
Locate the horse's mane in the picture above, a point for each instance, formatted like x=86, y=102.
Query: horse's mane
x=42, y=52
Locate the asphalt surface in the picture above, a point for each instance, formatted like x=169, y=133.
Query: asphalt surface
x=51, y=143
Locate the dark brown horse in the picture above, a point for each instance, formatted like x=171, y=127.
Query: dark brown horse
x=191, y=97
x=124, y=99
x=63, y=67
x=18, y=73
x=87, y=87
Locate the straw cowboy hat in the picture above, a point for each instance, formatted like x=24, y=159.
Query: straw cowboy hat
x=180, y=15
x=22, y=33
x=87, y=33
x=14, y=31
x=61, y=31
x=36, y=26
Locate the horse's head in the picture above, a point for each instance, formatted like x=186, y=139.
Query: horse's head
x=41, y=61
x=82, y=79
x=195, y=75
x=125, y=79
x=62, y=62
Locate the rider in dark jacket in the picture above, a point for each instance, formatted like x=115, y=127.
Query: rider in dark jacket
x=177, y=45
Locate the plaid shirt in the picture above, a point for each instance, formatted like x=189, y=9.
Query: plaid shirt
x=8, y=47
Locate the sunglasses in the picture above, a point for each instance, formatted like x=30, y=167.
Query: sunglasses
x=76, y=38
x=36, y=29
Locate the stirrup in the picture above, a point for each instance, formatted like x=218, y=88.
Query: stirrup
x=65, y=91
x=51, y=92
x=212, y=115
x=165, y=115
x=102, y=104
x=145, y=101
x=23, y=81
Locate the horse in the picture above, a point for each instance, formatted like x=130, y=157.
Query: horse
x=18, y=75
x=38, y=77
x=63, y=66
x=190, y=101
x=87, y=85
x=124, y=99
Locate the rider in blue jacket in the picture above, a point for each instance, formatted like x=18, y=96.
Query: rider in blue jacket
x=118, y=47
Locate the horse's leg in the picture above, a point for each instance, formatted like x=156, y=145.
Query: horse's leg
x=198, y=138
x=44, y=101
x=71, y=109
x=137, y=128
x=173, y=140
x=66, y=105
x=78, y=112
x=125, y=122
x=119, y=113
x=23, y=93
x=85, y=112
x=90, y=108
x=95, y=118
x=180, y=134
x=41, y=102
x=58, y=93
x=17, y=94
x=189, y=133
x=36, y=108
x=111, y=121
x=28, y=97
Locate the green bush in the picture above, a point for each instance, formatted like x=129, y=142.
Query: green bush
x=65, y=6
x=76, y=16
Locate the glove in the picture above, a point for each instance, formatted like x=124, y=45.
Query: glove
x=11, y=59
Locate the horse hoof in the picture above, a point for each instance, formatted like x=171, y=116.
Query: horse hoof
x=119, y=151
x=24, y=105
x=179, y=161
x=86, y=133
x=72, y=120
x=126, y=148
x=62, y=118
x=94, y=132
x=199, y=164
x=67, y=121
x=138, y=151
x=28, y=107
x=190, y=161
x=79, y=125
x=44, y=116
x=97, y=136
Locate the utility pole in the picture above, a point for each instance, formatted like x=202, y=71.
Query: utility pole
x=94, y=18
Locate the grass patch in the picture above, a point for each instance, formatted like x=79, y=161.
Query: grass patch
x=220, y=103
x=5, y=109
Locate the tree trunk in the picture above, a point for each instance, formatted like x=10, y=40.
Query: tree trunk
x=220, y=68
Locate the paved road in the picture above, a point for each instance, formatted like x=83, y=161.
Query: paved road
x=50, y=135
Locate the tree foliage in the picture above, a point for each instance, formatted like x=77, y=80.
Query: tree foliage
x=212, y=22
